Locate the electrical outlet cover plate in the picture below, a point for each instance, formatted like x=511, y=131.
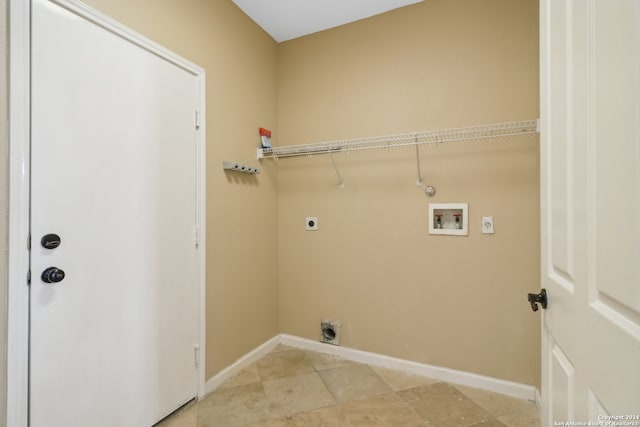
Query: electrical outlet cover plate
x=311, y=223
x=487, y=225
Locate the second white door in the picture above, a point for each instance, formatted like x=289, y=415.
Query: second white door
x=590, y=169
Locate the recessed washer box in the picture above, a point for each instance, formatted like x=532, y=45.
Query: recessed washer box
x=449, y=219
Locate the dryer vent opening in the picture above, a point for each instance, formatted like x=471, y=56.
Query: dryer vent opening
x=330, y=332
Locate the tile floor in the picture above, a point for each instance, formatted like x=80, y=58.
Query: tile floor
x=295, y=388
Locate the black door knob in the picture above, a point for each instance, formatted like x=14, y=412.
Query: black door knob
x=52, y=275
x=535, y=299
x=50, y=241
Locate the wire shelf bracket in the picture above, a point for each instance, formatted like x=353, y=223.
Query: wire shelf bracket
x=335, y=167
x=419, y=181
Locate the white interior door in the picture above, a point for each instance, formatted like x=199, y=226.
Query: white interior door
x=114, y=176
x=590, y=160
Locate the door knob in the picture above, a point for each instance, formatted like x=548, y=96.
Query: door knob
x=50, y=241
x=52, y=275
x=535, y=299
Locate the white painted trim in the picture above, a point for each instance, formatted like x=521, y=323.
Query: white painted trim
x=19, y=145
x=201, y=215
x=98, y=18
x=253, y=356
x=520, y=391
x=546, y=117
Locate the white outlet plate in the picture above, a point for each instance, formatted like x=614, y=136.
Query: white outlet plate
x=311, y=223
x=487, y=225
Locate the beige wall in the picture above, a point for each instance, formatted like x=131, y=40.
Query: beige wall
x=456, y=302
x=4, y=203
x=240, y=63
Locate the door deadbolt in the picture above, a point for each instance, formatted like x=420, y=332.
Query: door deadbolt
x=52, y=275
x=50, y=241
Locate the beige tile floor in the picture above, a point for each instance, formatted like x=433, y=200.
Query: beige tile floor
x=294, y=388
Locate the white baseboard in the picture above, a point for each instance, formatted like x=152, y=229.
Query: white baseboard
x=520, y=391
x=253, y=356
x=538, y=400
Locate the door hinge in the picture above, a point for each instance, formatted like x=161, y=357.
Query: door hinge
x=29, y=242
x=198, y=119
x=29, y=277
x=196, y=237
x=196, y=353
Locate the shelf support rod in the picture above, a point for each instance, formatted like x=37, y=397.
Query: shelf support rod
x=419, y=181
x=335, y=167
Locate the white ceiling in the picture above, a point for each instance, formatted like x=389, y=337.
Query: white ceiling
x=288, y=19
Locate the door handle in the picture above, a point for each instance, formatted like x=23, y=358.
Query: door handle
x=52, y=275
x=535, y=299
x=50, y=241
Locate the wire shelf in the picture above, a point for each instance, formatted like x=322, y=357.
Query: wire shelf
x=406, y=139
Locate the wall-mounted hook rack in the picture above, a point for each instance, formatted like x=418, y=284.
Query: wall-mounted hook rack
x=237, y=167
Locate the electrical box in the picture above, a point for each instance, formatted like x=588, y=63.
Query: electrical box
x=487, y=225
x=449, y=218
x=311, y=223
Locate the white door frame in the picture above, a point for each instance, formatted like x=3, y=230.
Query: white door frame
x=19, y=193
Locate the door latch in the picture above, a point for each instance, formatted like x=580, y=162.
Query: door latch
x=535, y=299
